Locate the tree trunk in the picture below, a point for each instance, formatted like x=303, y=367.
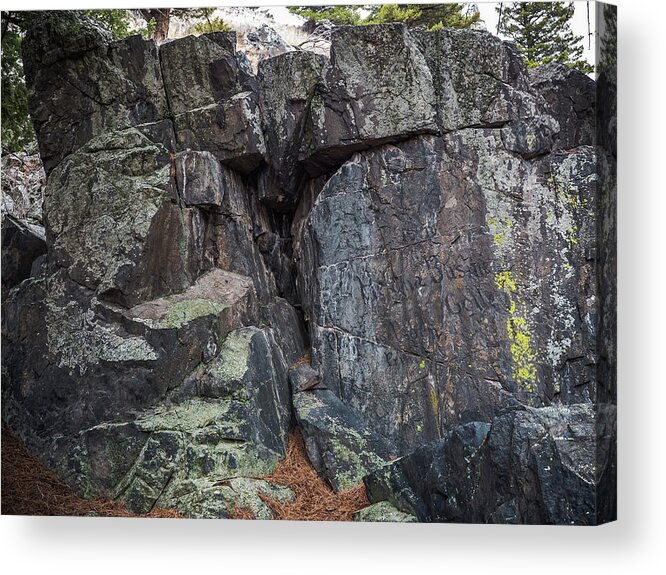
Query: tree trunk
x=161, y=17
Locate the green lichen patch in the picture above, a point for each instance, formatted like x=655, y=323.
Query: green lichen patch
x=212, y=294
x=185, y=311
x=189, y=416
x=383, y=512
x=231, y=364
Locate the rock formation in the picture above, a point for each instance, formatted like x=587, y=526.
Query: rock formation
x=395, y=247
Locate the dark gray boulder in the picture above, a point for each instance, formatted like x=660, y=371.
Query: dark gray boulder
x=22, y=243
x=213, y=98
x=570, y=98
x=530, y=466
x=376, y=88
x=286, y=83
x=111, y=222
x=230, y=129
x=81, y=83
x=138, y=293
x=450, y=274
x=436, y=482
x=481, y=81
x=201, y=70
x=228, y=419
x=339, y=444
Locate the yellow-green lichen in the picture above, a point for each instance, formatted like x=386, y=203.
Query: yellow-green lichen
x=186, y=310
x=522, y=355
x=231, y=363
x=434, y=401
x=499, y=229
x=573, y=202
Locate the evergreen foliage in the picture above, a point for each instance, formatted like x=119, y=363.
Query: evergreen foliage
x=425, y=15
x=338, y=15
x=210, y=25
x=17, y=127
x=542, y=32
x=608, y=57
x=428, y=15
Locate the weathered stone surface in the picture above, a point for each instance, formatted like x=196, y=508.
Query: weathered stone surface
x=376, y=88
x=606, y=400
x=110, y=220
x=479, y=79
x=82, y=83
x=22, y=244
x=201, y=70
x=213, y=97
x=230, y=129
x=303, y=378
x=529, y=466
x=570, y=99
x=339, y=445
x=482, y=81
x=452, y=251
x=199, y=179
x=217, y=499
x=229, y=418
x=437, y=481
x=286, y=85
x=383, y=512
x=427, y=307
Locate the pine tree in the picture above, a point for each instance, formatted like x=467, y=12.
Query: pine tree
x=339, y=14
x=424, y=15
x=453, y=15
x=542, y=32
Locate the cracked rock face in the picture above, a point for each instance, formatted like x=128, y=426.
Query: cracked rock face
x=528, y=466
x=396, y=248
x=80, y=84
x=441, y=243
x=376, y=88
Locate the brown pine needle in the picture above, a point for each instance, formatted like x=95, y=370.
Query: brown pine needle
x=29, y=488
x=314, y=500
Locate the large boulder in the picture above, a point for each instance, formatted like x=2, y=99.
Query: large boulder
x=22, y=243
x=82, y=83
x=341, y=447
x=481, y=81
x=452, y=250
x=287, y=85
x=213, y=98
x=530, y=466
x=228, y=419
x=262, y=43
x=570, y=98
x=376, y=88
x=131, y=342
x=111, y=221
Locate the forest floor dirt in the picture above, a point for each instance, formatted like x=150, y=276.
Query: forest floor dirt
x=29, y=488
